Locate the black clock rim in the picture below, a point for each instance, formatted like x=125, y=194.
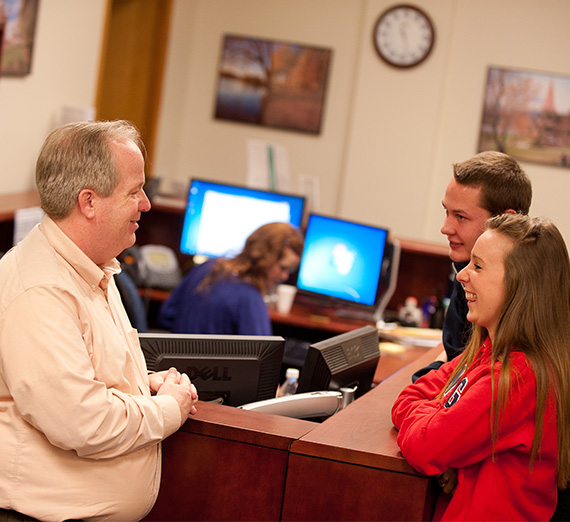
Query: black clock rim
x=383, y=15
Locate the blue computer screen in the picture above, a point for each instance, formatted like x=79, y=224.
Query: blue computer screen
x=342, y=259
x=219, y=217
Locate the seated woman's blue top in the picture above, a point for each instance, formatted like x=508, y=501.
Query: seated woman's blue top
x=228, y=306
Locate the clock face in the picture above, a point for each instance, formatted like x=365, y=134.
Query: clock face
x=403, y=36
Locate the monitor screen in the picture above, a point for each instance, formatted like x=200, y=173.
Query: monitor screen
x=219, y=217
x=342, y=259
x=232, y=369
x=344, y=361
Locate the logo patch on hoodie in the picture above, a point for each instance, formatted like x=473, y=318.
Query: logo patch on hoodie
x=456, y=395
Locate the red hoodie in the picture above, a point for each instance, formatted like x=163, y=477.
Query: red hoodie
x=455, y=432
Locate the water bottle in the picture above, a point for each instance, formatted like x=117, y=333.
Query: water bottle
x=289, y=386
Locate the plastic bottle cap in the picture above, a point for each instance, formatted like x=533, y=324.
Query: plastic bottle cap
x=411, y=302
x=292, y=373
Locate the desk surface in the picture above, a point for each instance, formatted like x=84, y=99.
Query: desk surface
x=317, y=317
x=301, y=315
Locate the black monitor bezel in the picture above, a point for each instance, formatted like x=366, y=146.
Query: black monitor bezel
x=263, y=352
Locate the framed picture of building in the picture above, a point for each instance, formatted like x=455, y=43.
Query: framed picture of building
x=272, y=83
x=18, y=42
x=526, y=114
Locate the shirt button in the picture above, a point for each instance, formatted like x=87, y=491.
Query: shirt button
x=94, y=287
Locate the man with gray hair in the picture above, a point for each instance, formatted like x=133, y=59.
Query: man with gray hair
x=81, y=420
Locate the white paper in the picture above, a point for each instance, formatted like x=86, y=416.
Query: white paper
x=24, y=220
x=71, y=114
x=268, y=166
x=309, y=186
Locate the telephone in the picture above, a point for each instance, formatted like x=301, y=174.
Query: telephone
x=153, y=266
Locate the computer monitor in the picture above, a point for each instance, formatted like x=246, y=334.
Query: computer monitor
x=342, y=261
x=232, y=369
x=219, y=217
x=347, y=360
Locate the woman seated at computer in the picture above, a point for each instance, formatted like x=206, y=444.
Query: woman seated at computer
x=225, y=296
x=500, y=414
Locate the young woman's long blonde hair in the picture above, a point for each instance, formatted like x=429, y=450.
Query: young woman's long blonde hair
x=535, y=320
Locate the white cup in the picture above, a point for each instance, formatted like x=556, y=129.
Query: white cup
x=285, y=298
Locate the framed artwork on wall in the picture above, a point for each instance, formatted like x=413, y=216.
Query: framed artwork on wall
x=272, y=83
x=526, y=114
x=18, y=42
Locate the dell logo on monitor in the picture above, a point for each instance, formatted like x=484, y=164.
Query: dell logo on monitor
x=214, y=373
x=352, y=351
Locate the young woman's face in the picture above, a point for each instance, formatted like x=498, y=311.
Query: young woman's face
x=280, y=271
x=484, y=279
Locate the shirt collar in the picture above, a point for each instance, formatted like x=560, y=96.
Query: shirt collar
x=459, y=265
x=98, y=275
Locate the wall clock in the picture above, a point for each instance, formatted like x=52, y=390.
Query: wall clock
x=403, y=35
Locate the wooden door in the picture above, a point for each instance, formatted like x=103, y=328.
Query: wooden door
x=132, y=64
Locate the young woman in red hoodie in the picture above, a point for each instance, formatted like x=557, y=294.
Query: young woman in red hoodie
x=499, y=415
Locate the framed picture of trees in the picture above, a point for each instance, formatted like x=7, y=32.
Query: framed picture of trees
x=272, y=83
x=526, y=114
x=19, y=17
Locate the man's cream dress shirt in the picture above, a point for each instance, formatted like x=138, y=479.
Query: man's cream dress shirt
x=79, y=432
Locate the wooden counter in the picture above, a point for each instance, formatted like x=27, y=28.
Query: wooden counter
x=364, y=474
x=231, y=464
x=226, y=464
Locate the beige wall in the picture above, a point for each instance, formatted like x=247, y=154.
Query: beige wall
x=420, y=123
x=192, y=143
x=389, y=136
x=65, y=65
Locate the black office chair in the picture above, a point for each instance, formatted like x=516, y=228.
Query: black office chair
x=132, y=301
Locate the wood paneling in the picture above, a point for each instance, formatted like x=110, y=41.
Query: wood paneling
x=226, y=464
x=346, y=492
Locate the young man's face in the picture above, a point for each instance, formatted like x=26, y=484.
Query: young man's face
x=464, y=219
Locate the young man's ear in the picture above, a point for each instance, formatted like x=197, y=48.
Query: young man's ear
x=510, y=211
x=86, y=203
